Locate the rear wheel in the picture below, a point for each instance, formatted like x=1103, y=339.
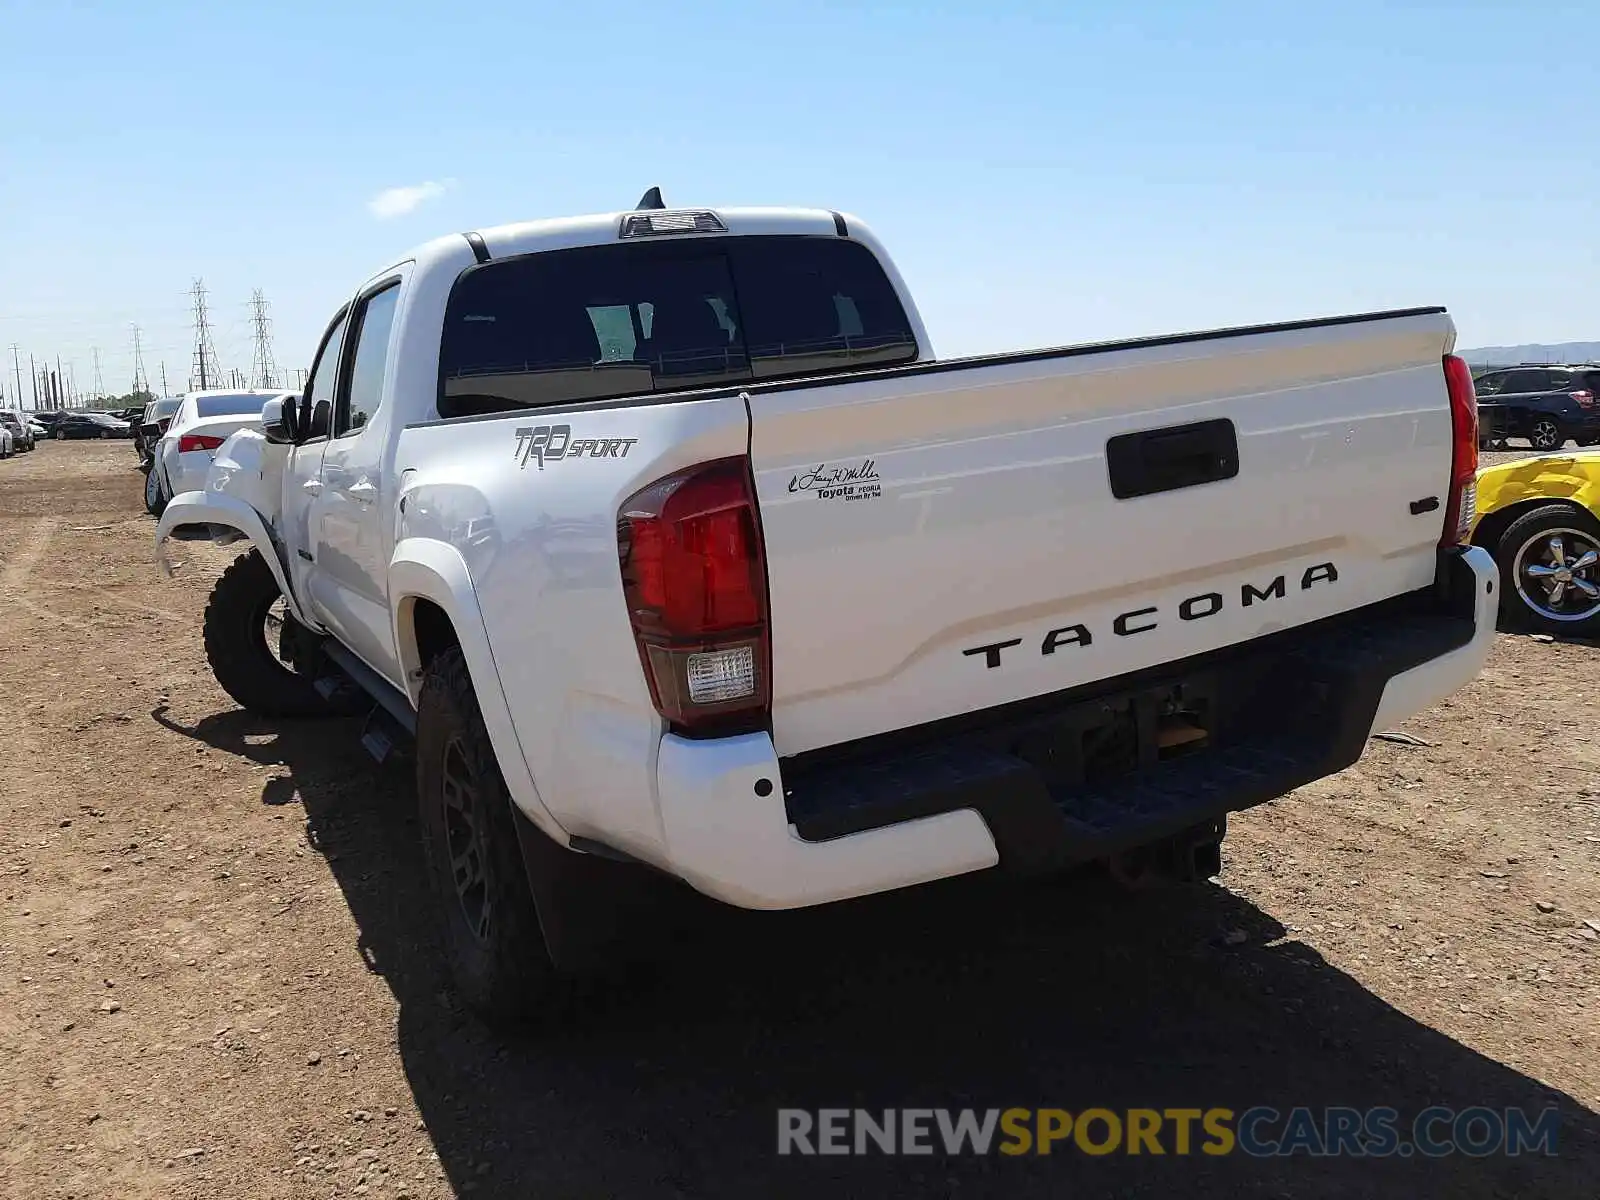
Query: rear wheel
x=155, y=500
x=1550, y=563
x=249, y=635
x=1546, y=434
x=487, y=918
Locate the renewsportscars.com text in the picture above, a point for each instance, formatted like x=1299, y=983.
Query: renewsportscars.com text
x=1259, y=1132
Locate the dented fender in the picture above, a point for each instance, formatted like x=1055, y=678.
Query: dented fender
x=223, y=516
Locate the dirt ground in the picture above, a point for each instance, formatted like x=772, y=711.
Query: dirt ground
x=217, y=976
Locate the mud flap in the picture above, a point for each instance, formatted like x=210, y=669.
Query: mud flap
x=595, y=912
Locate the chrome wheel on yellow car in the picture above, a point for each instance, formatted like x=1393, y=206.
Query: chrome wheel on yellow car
x=1550, y=570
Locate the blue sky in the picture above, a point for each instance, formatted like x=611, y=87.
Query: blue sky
x=1044, y=173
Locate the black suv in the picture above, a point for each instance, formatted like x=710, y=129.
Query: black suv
x=1544, y=404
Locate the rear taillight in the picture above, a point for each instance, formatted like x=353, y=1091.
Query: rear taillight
x=1584, y=397
x=197, y=441
x=694, y=575
x=1461, y=509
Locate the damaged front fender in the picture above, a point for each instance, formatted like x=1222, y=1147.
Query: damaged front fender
x=224, y=519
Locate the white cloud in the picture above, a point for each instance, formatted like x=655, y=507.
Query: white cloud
x=398, y=201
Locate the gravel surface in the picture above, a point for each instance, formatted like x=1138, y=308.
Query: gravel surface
x=217, y=976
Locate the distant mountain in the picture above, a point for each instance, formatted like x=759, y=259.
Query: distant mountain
x=1561, y=352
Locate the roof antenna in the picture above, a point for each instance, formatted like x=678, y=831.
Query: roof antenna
x=651, y=199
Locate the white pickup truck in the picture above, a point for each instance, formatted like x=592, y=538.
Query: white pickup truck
x=671, y=543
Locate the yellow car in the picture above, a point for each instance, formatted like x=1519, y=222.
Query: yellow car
x=1537, y=516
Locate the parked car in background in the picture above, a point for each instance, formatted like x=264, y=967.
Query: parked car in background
x=21, y=431
x=1540, y=518
x=48, y=420
x=200, y=424
x=91, y=425
x=152, y=423
x=1547, y=405
x=8, y=445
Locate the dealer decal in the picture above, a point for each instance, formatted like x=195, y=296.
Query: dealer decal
x=859, y=482
x=554, y=443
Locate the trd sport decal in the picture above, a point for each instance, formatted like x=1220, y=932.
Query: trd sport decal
x=859, y=482
x=1143, y=620
x=552, y=443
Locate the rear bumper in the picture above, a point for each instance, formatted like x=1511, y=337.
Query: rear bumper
x=1017, y=788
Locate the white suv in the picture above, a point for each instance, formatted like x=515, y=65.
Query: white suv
x=19, y=431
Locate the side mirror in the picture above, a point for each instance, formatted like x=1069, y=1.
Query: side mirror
x=280, y=420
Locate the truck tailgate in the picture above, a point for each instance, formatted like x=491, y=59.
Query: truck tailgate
x=949, y=537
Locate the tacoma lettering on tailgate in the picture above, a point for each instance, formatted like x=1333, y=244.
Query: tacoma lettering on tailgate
x=1143, y=620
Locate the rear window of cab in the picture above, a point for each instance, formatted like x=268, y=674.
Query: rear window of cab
x=600, y=322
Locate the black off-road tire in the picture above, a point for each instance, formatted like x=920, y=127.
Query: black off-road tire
x=487, y=917
x=237, y=648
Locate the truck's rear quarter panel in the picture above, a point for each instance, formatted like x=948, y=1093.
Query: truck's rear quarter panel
x=540, y=543
x=991, y=519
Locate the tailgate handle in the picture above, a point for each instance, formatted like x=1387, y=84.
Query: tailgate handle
x=1165, y=460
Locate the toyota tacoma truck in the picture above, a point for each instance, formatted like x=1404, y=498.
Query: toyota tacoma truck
x=668, y=548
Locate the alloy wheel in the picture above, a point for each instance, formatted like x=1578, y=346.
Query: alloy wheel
x=1545, y=434
x=464, y=829
x=1557, y=574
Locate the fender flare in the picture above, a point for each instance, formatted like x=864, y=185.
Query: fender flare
x=426, y=569
x=211, y=510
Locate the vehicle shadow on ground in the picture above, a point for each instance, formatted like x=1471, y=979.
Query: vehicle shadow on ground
x=977, y=992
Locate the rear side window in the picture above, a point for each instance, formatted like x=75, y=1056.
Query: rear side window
x=375, y=323
x=1527, y=381
x=633, y=318
x=1488, y=385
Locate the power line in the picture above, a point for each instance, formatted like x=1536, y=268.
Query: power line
x=140, y=382
x=204, y=372
x=263, y=370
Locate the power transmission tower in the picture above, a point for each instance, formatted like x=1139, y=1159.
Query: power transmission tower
x=204, y=372
x=16, y=366
x=99, y=383
x=163, y=377
x=263, y=370
x=141, y=383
